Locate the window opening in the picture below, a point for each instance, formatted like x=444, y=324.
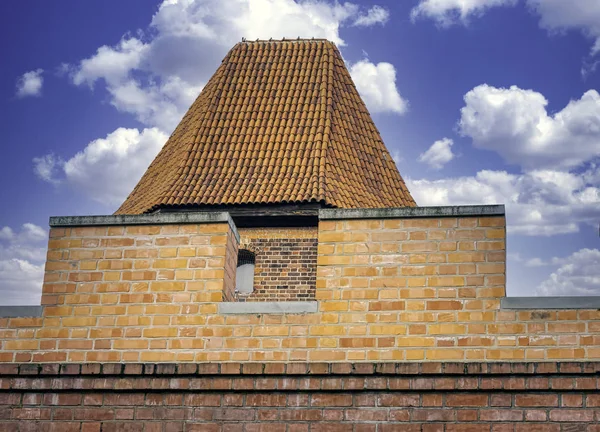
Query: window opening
x=244, y=278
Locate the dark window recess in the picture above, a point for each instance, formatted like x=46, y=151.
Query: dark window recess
x=246, y=257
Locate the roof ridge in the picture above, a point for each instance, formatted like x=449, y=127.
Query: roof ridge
x=299, y=39
x=328, y=118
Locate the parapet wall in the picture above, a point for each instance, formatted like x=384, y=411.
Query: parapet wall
x=315, y=397
x=393, y=285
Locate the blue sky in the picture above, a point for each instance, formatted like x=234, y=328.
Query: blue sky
x=486, y=101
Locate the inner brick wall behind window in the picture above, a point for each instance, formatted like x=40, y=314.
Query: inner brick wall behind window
x=286, y=263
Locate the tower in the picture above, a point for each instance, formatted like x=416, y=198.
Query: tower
x=278, y=132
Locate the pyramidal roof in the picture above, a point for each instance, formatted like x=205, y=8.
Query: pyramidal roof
x=279, y=122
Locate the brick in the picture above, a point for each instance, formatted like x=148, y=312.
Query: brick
x=536, y=400
x=444, y=305
x=399, y=400
x=331, y=400
x=494, y=415
x=571, y=415
x=458, y=400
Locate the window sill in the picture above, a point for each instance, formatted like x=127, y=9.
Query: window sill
x=20, y=311
x=283, y=307
x=583, y=302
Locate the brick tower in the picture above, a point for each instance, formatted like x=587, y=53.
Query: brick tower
x=278, y=132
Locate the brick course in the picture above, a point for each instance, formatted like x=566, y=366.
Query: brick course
x=301, y=397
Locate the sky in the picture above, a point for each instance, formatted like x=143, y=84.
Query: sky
x=479, y=102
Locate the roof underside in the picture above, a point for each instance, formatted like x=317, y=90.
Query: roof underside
x=279, y=122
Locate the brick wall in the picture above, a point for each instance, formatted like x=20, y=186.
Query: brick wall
x=403, y=289
x=426, y=397
x=286, y=263
x=231, y=254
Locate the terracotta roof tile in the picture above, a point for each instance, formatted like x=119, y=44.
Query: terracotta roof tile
x=279, y=122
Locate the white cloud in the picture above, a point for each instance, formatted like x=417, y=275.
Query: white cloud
x=579, y=274
x=537, y=203
x=396, y=157
x=376, y=83
x=108, y=168
x=6, y=233
x=22, y=256
x=439, y=154
x=536, y=262
x=514, y=123
x=449, y=12
x=30, y=83
x=514, y=256
x=112, y=64
x=558, y=188
x=45, y=167
x=555, y=15
x=561, y=15
x=157, y=75
x=375, y=15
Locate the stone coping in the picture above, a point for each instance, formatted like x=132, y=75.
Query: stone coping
x=20, y=311
x=412, y=212
x=583, y=302
x=145, y=219
x=277, y=307
x=404, y=368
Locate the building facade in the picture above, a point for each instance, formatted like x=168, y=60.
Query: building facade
x=271, y=271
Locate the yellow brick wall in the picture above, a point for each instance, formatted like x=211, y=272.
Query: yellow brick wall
x=388, y=290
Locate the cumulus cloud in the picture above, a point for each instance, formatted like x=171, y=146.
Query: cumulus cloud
x=557, y=189
x=560, y=15
x=439, y=154
x=45, y=167
x=156, y=75
x=541, y=203
x=22, y=256
x=376, y=83
x=448, y=12
x=112, y=64
x=578, y=274
x=515, y=123
x=375, y=15
x=108, y=168
x=30, y=83
x=555, y=16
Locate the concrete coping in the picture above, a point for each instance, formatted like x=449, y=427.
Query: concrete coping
x=284, y=307
x=146, y=219
x=20, y=311
x=413, y=212
x=591, y=302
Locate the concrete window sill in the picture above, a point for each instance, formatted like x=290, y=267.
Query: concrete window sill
x=20, y=311
x=288, y=307
x=584, y=302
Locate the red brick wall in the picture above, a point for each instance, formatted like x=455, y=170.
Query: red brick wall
x=423, y=397
x=286, y=263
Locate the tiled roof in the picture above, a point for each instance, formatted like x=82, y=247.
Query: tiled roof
x=279, y=122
